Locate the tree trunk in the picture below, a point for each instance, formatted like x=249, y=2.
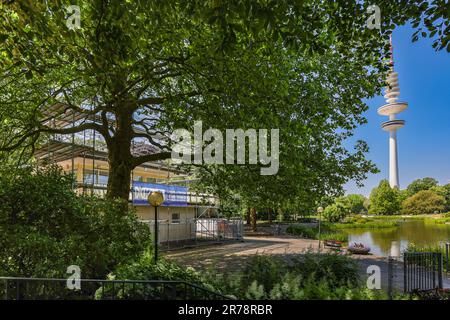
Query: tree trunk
x=253, y=218
x=247, y=216
x=120, y=159
x=119, y=181
x=269, y=214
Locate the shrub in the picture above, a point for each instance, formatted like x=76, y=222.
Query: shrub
x=306, y=276
x=45, y=227
x=302, y=231
x=335, y=212
x=423, y=202
x=146, y=269
x=262, y=269
x=337, y=270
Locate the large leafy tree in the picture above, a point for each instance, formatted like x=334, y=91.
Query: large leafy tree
x=354, y=203
x=138, y=69
x=420, y=185
x=424, y=202
x=384, y=200
x=443, y=191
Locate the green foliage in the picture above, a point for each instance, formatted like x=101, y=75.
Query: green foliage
x=45, y=227
x=434, y=220
x=357, y=221
x=413, y=247
x=333, y=235
x=423, y=202
x=445, y=192
x=263, y=270
x=146, y=269
x=231, y=64
x=306, y=276
x=327, y=233
x=354, y=203
x=420, y=185
x=235, y=64
x=302, y=231
x=384, y=200
x=335, y=212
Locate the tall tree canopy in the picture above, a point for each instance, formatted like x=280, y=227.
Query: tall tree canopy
x=136, y=70
x=384, y=200
x=420, y=185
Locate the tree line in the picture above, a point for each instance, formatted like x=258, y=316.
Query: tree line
x=422, y=196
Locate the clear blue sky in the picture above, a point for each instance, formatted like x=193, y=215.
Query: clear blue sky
x=424, y=142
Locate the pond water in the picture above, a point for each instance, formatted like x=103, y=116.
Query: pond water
x=393, y=241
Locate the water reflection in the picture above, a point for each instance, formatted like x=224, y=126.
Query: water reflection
x=393, y=241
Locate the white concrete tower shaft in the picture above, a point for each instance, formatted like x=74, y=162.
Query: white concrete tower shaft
x=393, y=159
x=391, y=109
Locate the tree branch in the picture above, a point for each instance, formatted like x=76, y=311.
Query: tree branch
x=151, y=157
x=159, y=100
x=76, y=129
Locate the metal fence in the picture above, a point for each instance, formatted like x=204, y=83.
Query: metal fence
x=219, y=229
x=422, y=271
x=196, y=231
x=57, y=289
x=447, y=257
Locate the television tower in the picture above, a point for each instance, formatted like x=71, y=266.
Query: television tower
x=391, y=109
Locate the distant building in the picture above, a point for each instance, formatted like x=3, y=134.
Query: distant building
x=184, y=217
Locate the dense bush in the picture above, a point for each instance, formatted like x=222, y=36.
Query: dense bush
x=146, y=269
x=423, y=202
x=307, y=276
x=45, y=227
x=302, y=231
x=335, y=212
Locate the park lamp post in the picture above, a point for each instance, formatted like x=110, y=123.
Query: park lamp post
x=319, y=211
x=156, y=198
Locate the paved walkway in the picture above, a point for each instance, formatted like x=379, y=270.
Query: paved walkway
x=230, y=257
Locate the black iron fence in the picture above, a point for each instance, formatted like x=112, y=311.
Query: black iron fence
x=447, y=257
x=422, y=271
x=89, y=289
